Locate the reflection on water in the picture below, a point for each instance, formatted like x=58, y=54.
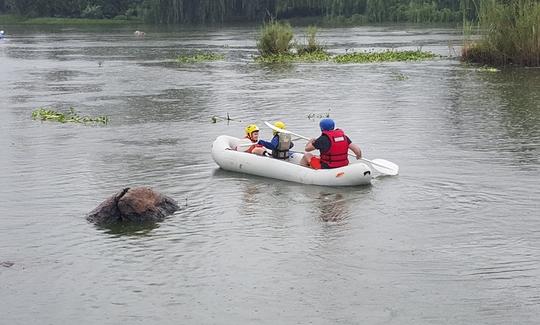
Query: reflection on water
x=456, y=233
x=333, y=207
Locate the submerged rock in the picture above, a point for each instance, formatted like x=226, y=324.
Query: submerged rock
x=133, y=205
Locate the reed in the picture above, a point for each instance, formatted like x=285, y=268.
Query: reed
x=312, y=44
x=275, y=39
x=510, y=34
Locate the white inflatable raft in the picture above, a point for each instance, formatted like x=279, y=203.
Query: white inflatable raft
x=223, y=153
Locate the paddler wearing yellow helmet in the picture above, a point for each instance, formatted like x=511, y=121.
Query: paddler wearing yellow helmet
x=280, y=144
x=252, y=133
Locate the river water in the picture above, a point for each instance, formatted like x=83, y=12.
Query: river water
x=454, y=239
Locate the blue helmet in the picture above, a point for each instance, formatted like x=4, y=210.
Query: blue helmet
x=327, y=124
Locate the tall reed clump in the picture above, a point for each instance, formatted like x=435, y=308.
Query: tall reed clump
x=312, y=45
x=511, y=34
x=275, y=39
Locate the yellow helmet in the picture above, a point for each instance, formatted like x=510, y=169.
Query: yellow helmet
x=250, y=129
x=280, y=125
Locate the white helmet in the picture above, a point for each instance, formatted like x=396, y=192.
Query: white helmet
x=1, y=32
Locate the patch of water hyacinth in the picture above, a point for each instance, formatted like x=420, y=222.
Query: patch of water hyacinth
x=44, y=114
x=199, y=57
x=385, y=56
x=353, y=57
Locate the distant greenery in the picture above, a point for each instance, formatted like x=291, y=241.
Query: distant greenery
x=75, y=21
x=510, y=34
x=199, y=57
x=218, y=11
x=44, y=114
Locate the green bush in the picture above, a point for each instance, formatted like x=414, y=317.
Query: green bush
x=512, y=34
x=312, y=44
x=275, y=39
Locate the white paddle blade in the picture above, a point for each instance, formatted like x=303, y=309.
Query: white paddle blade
x=385, y=166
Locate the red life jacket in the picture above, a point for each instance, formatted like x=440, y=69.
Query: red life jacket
x=337, y=155
x=251, y=148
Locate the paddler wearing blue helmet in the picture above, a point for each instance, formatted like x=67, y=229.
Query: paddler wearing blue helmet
x=333, y=145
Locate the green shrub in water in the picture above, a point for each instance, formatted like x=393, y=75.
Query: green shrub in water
x=312, y=44
x=275, y=39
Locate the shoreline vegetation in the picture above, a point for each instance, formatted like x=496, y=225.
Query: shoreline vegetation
x=509, y=34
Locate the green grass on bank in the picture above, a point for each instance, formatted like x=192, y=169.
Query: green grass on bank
x=510, y=34
x=20, y=20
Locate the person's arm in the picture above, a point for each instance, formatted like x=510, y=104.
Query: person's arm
x=356, y=150
x=310, y=146
x=269, y=145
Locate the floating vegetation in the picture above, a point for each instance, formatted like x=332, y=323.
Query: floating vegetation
x=227, y=118
x=385, y=56
x=487, y=69
x=399, y=76
x=353, y=57
x=294, y=57
x=312, y=116
x=199, y=57
x=44, y=114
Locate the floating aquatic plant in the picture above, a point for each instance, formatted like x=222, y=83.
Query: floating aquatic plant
x=399, y=76
x=318, y=115
x=199, y=57
x=487, y=69
x=216, y=119
x=294, y=57
x=352, y=57
x=44, y=114
x=384, y=56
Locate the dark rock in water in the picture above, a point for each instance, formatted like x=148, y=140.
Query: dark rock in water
x=7, y=264
x=135, y=205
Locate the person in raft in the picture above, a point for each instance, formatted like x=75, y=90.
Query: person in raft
x=280, y=143
x=333, y=145
x=252, y=133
